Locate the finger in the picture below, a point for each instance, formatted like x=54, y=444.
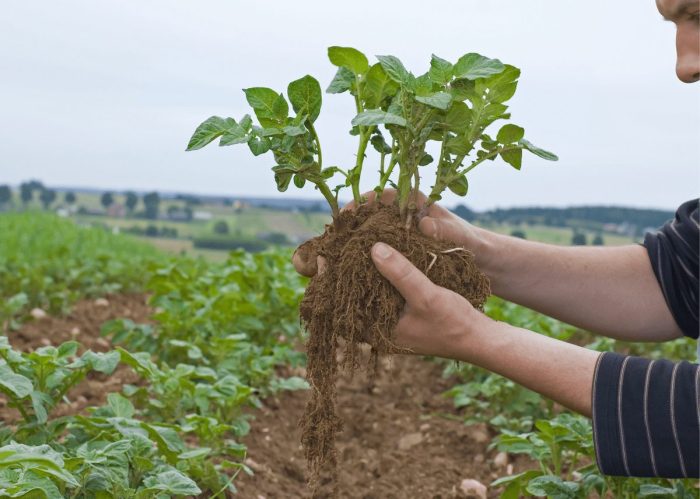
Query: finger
x=305, y=260
x=437, y=211
x=442, y=230
x=413, y=285
x=388, y=196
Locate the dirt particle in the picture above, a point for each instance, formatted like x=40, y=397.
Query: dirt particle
x=37, y=314
x=102, y=302
x=501, y=460
x=471, y=488
x=410, y=440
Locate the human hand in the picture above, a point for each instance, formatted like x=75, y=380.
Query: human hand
x=436, y=222
x=435, y=321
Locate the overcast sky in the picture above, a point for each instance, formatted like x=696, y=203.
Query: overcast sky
x=106, y=93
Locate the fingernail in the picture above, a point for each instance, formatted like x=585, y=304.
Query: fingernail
x=381, y=251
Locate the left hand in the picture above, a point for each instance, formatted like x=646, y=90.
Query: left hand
x=436, y=321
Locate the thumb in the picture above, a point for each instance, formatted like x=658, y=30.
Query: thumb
x=442, y=230
x=413, y=284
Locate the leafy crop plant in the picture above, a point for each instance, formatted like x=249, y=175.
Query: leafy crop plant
x=401, y=116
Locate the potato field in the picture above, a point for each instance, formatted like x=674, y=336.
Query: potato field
x=128, y=373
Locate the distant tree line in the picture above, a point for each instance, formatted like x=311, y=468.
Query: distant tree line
x=588, y=217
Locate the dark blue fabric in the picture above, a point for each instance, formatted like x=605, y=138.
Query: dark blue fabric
x=674, y=251
x=632, y=442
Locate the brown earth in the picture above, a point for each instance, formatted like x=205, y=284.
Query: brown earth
x=82, y=324
x=352, y=301
x=396, y=442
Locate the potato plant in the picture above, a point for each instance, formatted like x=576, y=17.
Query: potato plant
x=397, y=113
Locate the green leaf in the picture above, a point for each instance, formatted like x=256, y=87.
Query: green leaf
x=305, y=96
x=514, y=157
x=292, y=383
x=378, y=86
x=172, y=482
x=655, y=491
x=121, y=407
x=550, y=156
x=102, y=362
x=439, y=100
x=258, y=145
x=270, y=107
x=458, y=117
x=210, y=129
x=283, y=176
x=473, y=66
x=395, y=69
x=39, y=400
x=234, y=134
x=20, y=386
x=294, y=130
x=553, y=487
x=510, y=133
x=348, y=57
x=502, y=86
x=299, y=181
x=440, y=70
x=422, y=85
x=342, y=81
x=426, y=159
x=377, y=117
x=380, y=144
x=459, y=186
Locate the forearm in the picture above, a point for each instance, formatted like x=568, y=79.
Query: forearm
x=608, y=290
x=560, y=371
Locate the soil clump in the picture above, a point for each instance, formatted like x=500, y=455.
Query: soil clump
x=352, y=301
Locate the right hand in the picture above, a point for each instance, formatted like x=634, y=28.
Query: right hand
x=438, y=223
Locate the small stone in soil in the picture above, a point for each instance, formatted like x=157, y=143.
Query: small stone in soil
x=501, y=460
x=424, y=427
x=37, y=314
x=472, y=488
x=102, y=302
x=410, y=440
x=75, y=332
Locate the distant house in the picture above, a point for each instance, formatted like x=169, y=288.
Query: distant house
x=116, y=210
x=202, y=215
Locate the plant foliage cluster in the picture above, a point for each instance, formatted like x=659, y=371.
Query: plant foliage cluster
x=560, y=442
x=219, y=333
x=397, y=113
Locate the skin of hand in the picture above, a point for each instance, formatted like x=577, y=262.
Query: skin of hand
x=606, y=290
x=437, y=321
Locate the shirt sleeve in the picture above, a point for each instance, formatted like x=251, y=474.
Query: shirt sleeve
x=674, y=251
x=646, y=417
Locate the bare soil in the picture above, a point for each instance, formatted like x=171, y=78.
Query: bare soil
x=397, y=442
x=82, y=324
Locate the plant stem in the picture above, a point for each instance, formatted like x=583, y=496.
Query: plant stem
x=357, y=171
x=332, y=201
x=385, y=178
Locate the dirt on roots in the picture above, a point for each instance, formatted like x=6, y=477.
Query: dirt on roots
x=352, y=301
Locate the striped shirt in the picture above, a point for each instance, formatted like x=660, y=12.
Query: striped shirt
x=646, y=413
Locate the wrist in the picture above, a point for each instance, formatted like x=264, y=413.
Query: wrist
x=467, y=344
